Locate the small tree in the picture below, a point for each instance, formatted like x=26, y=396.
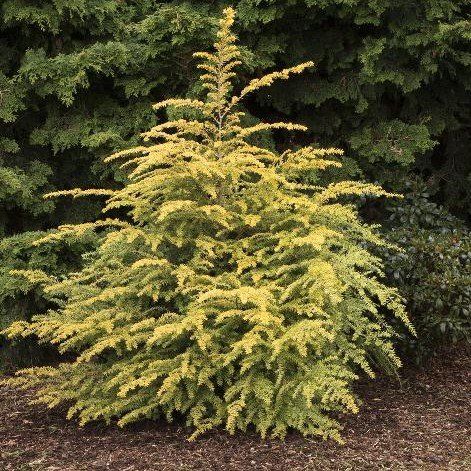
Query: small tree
x=235, y=293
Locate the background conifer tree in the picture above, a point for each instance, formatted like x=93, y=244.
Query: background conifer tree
x=234, y=291
x=391, y=87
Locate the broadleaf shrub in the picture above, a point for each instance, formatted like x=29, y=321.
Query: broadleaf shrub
x=230, y=291
x=432, y=271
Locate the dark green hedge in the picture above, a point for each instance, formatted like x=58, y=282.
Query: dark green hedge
x=77, y=78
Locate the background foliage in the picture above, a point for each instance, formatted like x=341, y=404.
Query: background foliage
x=433, y=271
x=19, y=298
x=391, y=86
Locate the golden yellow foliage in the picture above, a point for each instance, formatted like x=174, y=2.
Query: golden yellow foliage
x=236, y=292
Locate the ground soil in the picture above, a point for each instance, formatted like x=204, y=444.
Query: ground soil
x=420, y=423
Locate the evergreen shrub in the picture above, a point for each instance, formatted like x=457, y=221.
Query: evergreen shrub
x=230, y=291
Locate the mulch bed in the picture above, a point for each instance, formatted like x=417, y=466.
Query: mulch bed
x=422, y=423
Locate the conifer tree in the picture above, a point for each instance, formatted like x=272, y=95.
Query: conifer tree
x=234, y=292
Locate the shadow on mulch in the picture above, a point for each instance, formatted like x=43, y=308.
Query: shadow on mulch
x=422, y=423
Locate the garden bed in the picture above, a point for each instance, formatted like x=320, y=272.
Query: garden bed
x=420, y=423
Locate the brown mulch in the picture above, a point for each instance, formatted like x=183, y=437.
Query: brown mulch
x=422, y=423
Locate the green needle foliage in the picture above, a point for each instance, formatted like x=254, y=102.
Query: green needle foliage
x=77, y=80
x=233, y=293
x=19, y=297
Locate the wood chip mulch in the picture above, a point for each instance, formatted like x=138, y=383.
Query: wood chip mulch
x=420, y=423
